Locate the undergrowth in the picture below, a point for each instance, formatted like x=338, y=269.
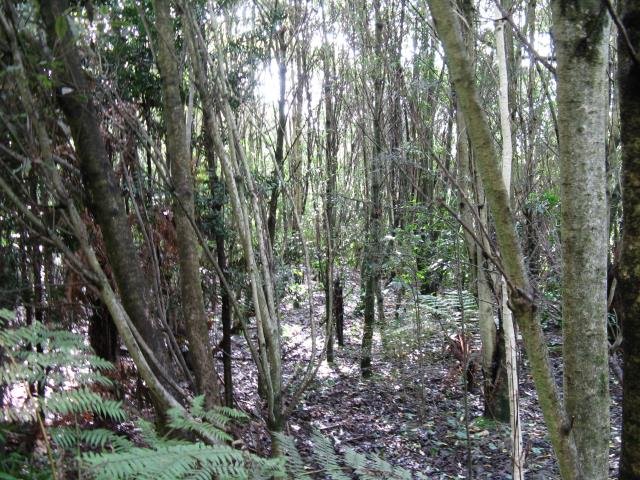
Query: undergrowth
x=64, y=389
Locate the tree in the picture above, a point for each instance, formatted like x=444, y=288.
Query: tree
x=74, y=96
x=629, y=275
x=512, y=261
x=182, y=181
x=373, y=250
x=581, y=37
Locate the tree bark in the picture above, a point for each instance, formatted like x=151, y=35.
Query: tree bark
x=581, y=36
x=629, y=274
x=182, y=182
x=371, y=266
x=278, y=157
x=509, y=335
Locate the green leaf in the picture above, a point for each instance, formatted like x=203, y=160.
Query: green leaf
x=61, y=26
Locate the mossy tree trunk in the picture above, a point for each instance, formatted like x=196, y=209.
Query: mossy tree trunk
x=182, y=181
x=581, y=35
x=629, y=276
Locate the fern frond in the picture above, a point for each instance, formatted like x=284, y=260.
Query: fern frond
x=326, y=457
x=373, y=467
x=172, y=462
x=148, y=432
x=84, y=400
x=181, y=420
x=97, y=438
x=295, y=465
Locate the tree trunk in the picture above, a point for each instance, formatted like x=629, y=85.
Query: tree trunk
x=373, y=248
x=99, y=179
x=509, y=336
x=278, y=157
x=581, y=36
x=331, y=166
x=182, y=182
x=338, y=309
x=629, y=276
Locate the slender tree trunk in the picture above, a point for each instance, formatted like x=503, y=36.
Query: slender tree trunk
x=371, y=265
x=182, y=181
x=629, y=276
x=216, y=188
x=581, y=36
x=496, y=401
x=281, y=55
x=251, y=228
x=509, y=336
x=338, y=309
x=331, y=166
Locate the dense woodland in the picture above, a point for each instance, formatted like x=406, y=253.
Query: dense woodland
x=373, y=239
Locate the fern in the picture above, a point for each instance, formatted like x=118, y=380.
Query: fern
x=194, y=460
x=206, y=423
x=296, y=466
x=62, y=361
x=449, y=304
x=364, y=467
x=97, y=438
x=83, y=400
x=167, y=458
x=327, y=458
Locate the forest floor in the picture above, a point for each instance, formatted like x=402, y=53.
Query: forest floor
x=411, y=412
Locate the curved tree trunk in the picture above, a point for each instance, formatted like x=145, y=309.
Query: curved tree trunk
x=105, y=200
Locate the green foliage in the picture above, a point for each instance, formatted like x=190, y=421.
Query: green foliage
x=347, y=466
x=421, y=249
x=450, y=304
x=65, y=369
x=97, y=438
x=77, y=402
x=170, y=458
x=63, y=361
x=19, y=466
x=547, y=203
x=190, y=460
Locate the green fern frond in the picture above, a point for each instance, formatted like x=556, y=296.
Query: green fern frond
x=97, y=438
x=373, y=467
x=231, y=413
x=181, y=420
x=296, y=466
x=172, y=462
x=326, y=457
x=148, y=432
x=84, y=400
x=365, y=467
x=19, y=372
